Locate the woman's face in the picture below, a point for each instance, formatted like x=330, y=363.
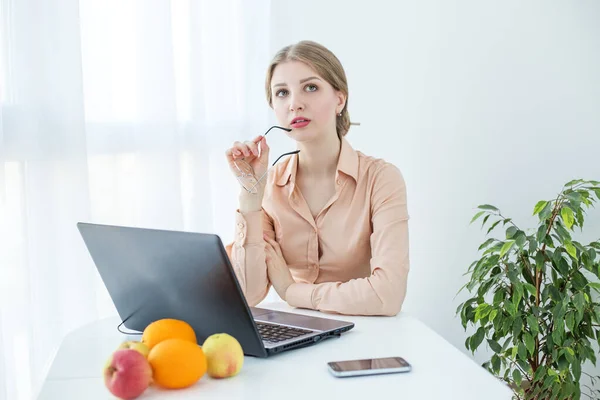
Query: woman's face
x=298, y=92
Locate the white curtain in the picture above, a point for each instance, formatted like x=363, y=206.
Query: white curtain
x=116, y=112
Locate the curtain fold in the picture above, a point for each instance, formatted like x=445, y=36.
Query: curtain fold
x=114, y=112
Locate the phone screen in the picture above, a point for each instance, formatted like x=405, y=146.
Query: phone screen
x=369, y=364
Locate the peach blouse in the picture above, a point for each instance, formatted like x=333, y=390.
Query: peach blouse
x=353, y=258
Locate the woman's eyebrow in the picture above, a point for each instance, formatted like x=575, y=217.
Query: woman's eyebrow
x=301, y=81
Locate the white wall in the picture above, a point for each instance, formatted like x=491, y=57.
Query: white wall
x=476, y=102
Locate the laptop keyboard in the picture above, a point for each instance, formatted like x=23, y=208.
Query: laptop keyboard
x=278, y=333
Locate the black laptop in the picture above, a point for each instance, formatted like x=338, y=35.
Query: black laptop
x=152, y=274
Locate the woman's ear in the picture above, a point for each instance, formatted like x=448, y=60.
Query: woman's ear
x=341, y=100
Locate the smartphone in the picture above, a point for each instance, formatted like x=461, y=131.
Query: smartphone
x=370, y=366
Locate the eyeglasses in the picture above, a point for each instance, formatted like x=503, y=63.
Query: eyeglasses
x=245, y=173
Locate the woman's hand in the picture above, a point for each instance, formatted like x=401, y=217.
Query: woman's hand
x=254, y=152
x=277, y=269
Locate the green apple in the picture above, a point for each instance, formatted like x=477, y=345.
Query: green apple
x=135, y=345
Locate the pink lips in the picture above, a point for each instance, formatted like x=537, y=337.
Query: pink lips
x=299, y=122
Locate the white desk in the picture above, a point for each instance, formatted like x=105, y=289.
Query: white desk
x=440, y=371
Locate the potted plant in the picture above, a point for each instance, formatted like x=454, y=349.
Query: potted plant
x=534, y=297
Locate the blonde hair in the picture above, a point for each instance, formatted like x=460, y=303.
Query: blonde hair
x=325, y=63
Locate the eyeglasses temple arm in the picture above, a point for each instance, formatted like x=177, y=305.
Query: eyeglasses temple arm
x=285, y=154
x=278, y=158
x=278, y=127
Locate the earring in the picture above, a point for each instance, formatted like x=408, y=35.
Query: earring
x=340, y=114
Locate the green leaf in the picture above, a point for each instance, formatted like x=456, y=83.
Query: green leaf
x=510, y=307
x=595, y=285
x=479, y=214
x=573, y=182
x=574, y=196
x=579, y=281
x=518, y=293
x=510, y=232
x=576, y=368
x=521, y=238
x=563, y=266
x=579, y=301
x=482, y=311
x=488, y=207
x=477, y=338
x=499, y=295
x=529, y=342
x=566, y=390
x=541, y=233
x=485, y=220
x=486, y=243
x=533, y=324
x=570, y=351
x=557, y=337
x=516, y=374
x=563, y=233
x=493, y=315
x=530, y=288
x=567, y=216
x=522, y=350
x=532, y=244
x=591, y=253
x=563, y=364
x=571, y=250
x=517, y=327
x=570, y=319
x=546, y=212
x=507, y=246
x=548, y=381
x=539, y=260
x=506, y=325
x=539, y=206
x=494, y=346
x=496, y=363
x=493, y=226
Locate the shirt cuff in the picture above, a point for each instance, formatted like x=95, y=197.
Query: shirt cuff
x=249, y=228
x=300, y=295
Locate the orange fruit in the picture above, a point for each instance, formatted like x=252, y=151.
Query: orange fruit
x=177, y=363
x=167, y=328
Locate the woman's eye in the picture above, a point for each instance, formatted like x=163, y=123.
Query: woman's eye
x=311, y=88
x=281, y=92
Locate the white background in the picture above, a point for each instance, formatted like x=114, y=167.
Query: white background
x=476, y=102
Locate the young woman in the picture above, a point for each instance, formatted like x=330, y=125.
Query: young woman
x=326, y=227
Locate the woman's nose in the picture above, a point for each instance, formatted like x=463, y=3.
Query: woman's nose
x=296, y=104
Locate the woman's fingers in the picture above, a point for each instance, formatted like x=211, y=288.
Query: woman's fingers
x=263, y=147
x=240, y=149
x=274, y=245
x=253, y=147
x=269, y=251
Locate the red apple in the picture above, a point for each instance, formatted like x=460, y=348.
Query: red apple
x=127, y=374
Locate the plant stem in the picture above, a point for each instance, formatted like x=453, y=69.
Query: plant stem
x=525, y=374
x=538, y=276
